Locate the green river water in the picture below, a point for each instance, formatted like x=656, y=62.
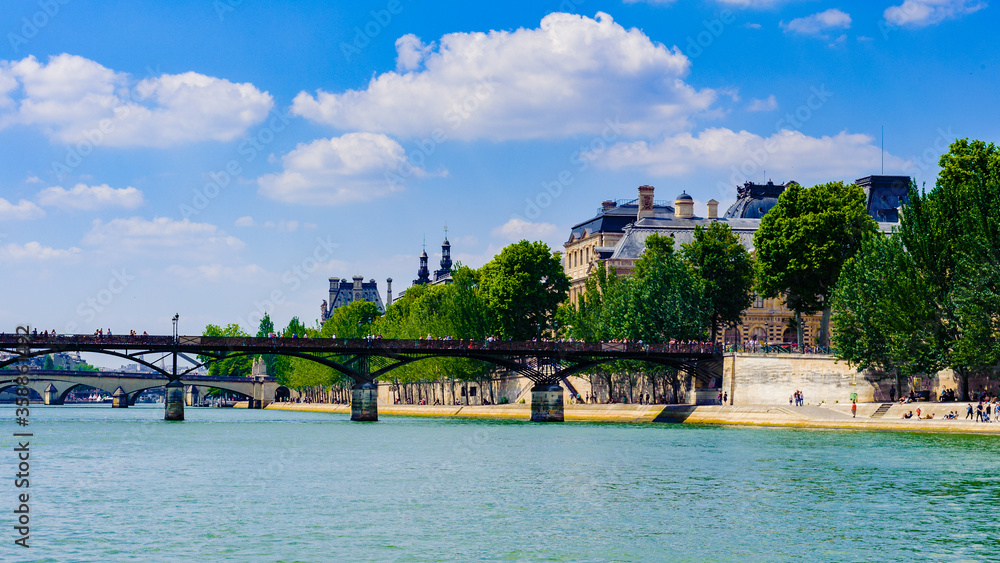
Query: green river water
x=236, y=485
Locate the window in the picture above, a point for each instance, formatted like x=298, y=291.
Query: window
x=758, y=301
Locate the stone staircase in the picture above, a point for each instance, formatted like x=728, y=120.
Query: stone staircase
x=882, y=409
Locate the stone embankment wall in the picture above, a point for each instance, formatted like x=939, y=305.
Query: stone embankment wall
x=767, y=379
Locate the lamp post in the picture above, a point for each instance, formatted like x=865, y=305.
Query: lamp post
x=175, y=319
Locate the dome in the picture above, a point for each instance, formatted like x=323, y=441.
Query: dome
x=684, y=197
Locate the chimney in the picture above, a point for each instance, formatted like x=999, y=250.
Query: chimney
x=388, y=292
x=683, y=206
x=713, y=209
x=645, y=202
x=608, y=204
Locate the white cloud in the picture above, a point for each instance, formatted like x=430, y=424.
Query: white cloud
x=785, y=154
x=33, y=180
x=24, y=210
x=86, y=197
x=73, y=99
x=138, y=235
x=572, y=75
x=816, y=24
x=34, y=251
x=518, y=229
x=768, y=104
x=752, y=25
x=922, y=13
x=246, y=221
x=351, y=168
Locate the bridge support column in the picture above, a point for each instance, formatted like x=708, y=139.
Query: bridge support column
x=51, y=395
x=190, y=396
x=119, y=400
x=174, y=405
x=547, y=403
x=364, y=402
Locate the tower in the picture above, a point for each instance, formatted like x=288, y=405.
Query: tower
x=445, y=258
x=423, y=274
x=388, y=292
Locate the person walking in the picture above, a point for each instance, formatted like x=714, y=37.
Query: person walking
x=854, y=409
x=968, y=412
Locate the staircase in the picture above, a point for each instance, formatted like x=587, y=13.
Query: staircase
x=882, y=409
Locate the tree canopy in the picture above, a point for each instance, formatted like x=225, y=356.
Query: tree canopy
x=521, y=288
x=804, y=240
x=726, y=271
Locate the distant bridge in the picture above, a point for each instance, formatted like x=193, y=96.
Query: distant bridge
x=132, y=384
x=365, y=360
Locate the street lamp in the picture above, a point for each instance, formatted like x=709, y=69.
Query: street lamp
x=176, y=317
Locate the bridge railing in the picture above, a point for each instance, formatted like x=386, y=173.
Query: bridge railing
x=353, y=344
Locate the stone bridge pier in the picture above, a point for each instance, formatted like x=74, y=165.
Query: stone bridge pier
x=547, y=403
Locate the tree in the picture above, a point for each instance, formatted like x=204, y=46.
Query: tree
x=803, y=242
x=232, y=366
x=662, y=300
x=725, y=268
x=48, y=364
x=938, y=304
x=521, y=288
x=277, y=366
x=585, y=320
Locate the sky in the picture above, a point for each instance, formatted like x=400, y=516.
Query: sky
x=222, y=159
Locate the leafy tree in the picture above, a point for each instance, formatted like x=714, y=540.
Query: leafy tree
x=726, y=270
x=294, y=328
x=232, y=366
x=803, y=242
x=521, y=288
x=662, y=300
x=48, y=364
x=585, y=320
x=277, y=366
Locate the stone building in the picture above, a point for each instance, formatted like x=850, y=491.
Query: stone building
x=616, y=237
x=346, y=291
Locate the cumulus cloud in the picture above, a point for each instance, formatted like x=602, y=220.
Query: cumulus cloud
x=138, y=235
x=569, y=76
x=817, y=24
x=82, y=196
x=352, y=168
x=73, y=99
x=23, y=210
x=785, y=154
x=34, y=251
x=922, y=13
x=246, y=221
x=218, y=273
x=768, y=104
x=517, y=229
x=283, y=225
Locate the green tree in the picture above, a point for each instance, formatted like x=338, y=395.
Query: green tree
x=277, y=365
x=48, y=364
x=230, y=366
x=803, y=242
x=521, y=288
x=662, y=300
x=585, y=320
x=726, y=270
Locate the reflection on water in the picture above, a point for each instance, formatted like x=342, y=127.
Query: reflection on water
x=243, y=485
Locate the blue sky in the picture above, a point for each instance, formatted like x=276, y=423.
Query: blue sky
x=220, y=159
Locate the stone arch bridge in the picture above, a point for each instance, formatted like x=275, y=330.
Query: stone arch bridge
x=365, y=360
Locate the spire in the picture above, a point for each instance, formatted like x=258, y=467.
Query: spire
x=423, y=273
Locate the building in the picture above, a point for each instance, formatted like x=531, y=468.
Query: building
x=344, y=292
x=442, y=274
x=616, y=238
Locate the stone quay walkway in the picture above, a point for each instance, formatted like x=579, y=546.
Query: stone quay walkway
x=808, y=416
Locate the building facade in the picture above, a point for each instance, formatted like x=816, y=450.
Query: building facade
x=615, y=238
x=346, y=291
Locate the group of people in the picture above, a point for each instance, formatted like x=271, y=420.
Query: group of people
x=987, y=410
x=910, y=414
x=797, y=399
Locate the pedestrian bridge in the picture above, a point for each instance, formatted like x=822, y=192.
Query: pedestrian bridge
x=54, y=385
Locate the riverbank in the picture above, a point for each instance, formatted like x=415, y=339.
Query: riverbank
x=809, y=416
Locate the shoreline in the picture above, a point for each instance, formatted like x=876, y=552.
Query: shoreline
x=778, y=416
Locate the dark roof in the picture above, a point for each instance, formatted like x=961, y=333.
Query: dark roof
x=884, y=196
x=753, y=201
x=613, y=217
x=684, y=197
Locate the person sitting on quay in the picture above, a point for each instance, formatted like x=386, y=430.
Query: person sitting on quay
x=908, y=414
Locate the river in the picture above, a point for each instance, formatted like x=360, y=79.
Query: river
x=237, y=485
